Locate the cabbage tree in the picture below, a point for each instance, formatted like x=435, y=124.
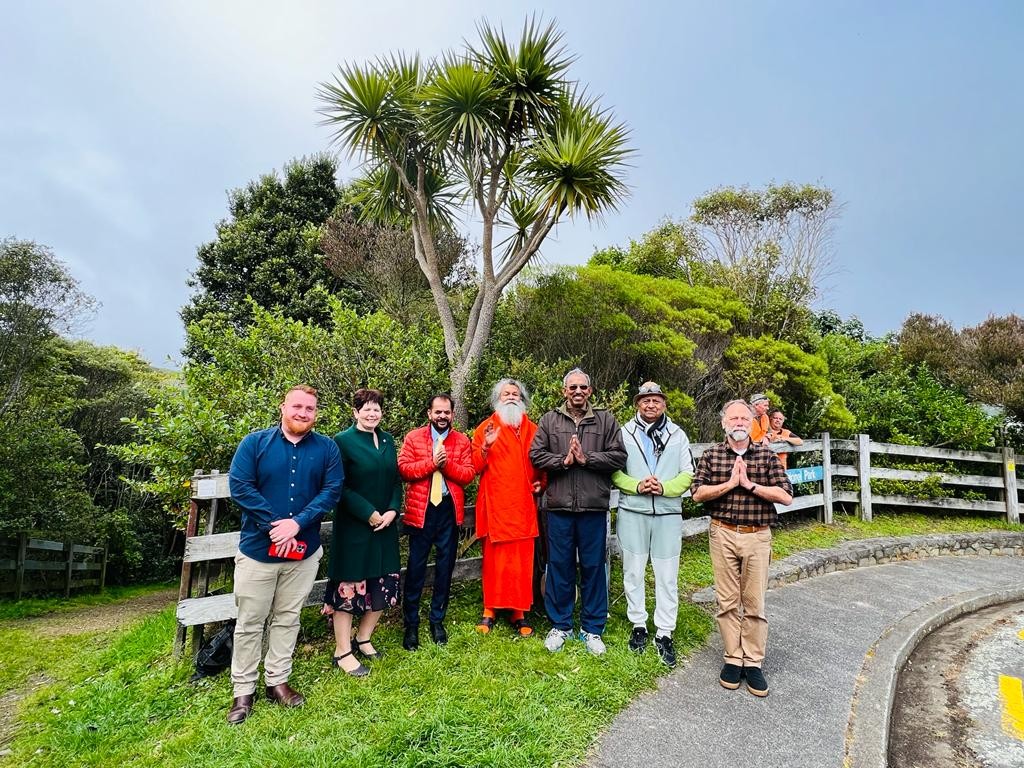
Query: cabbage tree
x=495, y=135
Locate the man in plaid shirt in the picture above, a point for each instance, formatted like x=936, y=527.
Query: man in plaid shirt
x=740, y=482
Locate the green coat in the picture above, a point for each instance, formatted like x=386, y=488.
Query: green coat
x=371, y=483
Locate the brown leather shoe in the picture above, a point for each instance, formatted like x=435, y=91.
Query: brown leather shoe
x=241, y=706
x=285, y=695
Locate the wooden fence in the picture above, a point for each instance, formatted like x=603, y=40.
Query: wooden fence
x=197, y=607
x=75, y=562
x=1000, y=482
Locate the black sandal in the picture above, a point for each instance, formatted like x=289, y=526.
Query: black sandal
x=359, y=648
x=522, y=627
x=360, y=671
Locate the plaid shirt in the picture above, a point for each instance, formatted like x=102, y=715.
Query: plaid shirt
x=740, y=506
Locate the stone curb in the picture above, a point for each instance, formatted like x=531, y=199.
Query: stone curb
x=865, y=552
x=867, y=734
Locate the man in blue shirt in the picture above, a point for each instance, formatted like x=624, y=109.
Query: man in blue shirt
x=285, y=479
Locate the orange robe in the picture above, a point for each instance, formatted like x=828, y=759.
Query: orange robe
x=506, y=514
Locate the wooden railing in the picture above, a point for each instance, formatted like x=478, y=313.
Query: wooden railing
x=75, y=561
x=1002, y=482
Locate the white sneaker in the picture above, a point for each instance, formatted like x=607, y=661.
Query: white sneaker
x=594, y=643
x=555, y=640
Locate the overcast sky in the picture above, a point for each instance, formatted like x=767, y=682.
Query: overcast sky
x=123, y=125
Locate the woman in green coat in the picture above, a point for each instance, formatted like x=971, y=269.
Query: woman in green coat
x=362, y=575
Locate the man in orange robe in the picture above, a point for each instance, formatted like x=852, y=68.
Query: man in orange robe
x=506, y=513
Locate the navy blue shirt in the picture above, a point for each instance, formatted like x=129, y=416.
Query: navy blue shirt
x=272, y=479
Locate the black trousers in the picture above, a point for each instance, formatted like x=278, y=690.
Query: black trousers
x=439, y=532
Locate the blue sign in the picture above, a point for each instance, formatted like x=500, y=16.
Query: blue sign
x=805, y=474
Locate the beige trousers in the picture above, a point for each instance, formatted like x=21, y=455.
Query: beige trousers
x=740, y=562
x=277, y=591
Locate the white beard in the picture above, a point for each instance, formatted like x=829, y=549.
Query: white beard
x=511, y=413
x=739, y=435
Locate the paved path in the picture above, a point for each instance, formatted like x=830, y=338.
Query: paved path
x=820, y=630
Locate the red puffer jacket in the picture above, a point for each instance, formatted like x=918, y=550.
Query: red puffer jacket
x=416, y=465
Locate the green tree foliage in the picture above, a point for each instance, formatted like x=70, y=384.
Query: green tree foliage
x=896, y=401
x=828, y=321
x=42, y=461
x=995, y=349
x=499, y=124
x=985, y=362
x=379, y=261
x=626, y=327
x=237, y=383
x=111, y=387
x=39, y=299
x=771, y=247
x=269, y=250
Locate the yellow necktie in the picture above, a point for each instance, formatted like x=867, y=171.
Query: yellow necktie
x=435, y=481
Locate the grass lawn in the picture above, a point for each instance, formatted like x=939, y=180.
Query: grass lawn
x=119, y=699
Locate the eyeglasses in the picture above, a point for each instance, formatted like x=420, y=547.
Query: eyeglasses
x=574, y=387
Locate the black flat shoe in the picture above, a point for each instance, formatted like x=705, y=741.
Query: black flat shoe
x=360, y=671
x=359, y=649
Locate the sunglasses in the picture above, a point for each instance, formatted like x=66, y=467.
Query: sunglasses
x=574, y=387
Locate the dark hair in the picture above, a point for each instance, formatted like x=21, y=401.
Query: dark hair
x=364, y=396
x=440, y=396
x=773, y=411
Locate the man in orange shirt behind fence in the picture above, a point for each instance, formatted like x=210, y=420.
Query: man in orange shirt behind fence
x=760, y=426
x=506, y=513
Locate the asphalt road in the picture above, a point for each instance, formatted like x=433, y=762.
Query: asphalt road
x=820, y=631
x=958, y=699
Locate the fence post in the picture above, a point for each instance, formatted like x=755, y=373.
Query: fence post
x=1010, y=484
x=69, y=562
x=864, y=475
x=826, y=478
x=19, y=566
x=103, y=565
x=186, y=574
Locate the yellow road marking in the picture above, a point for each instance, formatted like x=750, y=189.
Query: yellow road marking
x=1011, y=691
x=1021, y=634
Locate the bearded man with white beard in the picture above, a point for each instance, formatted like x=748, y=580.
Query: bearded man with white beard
x=506, y=512
x=739, y=483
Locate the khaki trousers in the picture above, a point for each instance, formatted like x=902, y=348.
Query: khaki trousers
x=740, y=562
x=277, y=591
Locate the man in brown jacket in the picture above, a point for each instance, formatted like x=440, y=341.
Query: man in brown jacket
x=579, y=448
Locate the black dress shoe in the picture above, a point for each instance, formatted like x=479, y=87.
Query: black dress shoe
x=360, y=671
x=756, y=683
x=241, y=706
x=359, y=648
x=411, y=638
x=285, y=695
x=438, y=633
x=730, y=677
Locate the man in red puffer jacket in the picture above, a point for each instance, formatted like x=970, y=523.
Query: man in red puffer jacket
x=437, y=462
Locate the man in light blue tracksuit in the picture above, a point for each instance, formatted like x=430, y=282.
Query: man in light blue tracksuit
x=658, y=472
